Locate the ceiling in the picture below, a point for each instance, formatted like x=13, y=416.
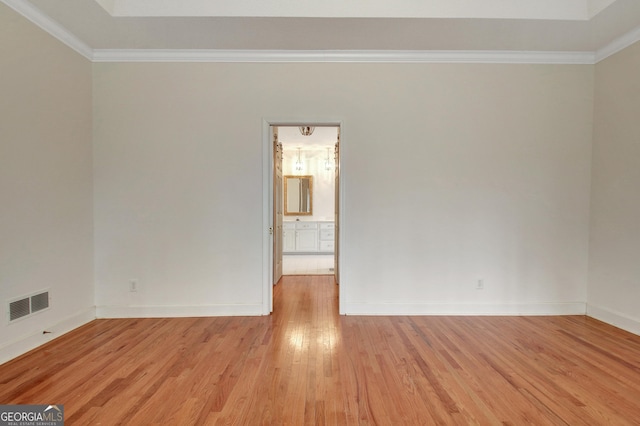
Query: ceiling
x=336, y=25
x=511, y=9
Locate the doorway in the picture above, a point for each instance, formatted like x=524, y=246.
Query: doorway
x=304, y=201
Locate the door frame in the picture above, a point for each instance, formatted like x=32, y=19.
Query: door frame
x=267, y=205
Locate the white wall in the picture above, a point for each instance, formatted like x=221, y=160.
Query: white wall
x=46, y=239
x=614, y=279
x=452, y=173
x=323, y=180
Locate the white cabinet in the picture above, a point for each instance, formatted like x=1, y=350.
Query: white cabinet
x=308, y=237
x=307, y=240
x=327, y=236
x=300, y=237
x=288, y=237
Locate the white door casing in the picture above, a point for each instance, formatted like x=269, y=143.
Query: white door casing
x=269, y=212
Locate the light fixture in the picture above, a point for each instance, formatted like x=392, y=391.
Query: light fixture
x=327, y=162
x=306, y=130
x=298, y=165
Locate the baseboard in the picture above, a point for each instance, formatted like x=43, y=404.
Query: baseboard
x=617, y=319
x=575, y=308
x=19, y=347
x=177, y=311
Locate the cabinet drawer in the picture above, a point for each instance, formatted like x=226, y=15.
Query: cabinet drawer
x=288, y=225
x=326, y=245
x=302, y=225
x=327, y=234
x=327, y=226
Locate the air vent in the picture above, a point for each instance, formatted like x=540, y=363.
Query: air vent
x=28, y=305
x=18, y=309
x=39, y=302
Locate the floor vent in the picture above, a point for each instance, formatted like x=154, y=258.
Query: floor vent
x=29, y=305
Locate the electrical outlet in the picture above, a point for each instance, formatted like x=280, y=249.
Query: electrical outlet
x=480, y=285
x=133, y=286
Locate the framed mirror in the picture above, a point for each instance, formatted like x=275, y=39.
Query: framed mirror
x=298, y=195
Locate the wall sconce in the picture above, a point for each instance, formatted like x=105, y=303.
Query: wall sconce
x=298, y=165
x=327, y=163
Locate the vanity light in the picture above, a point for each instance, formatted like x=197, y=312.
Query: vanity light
x=327, y=163
x=298, y=165
x=306, y=130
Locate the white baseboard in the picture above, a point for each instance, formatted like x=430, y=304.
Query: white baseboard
x=617, y=319
x=177, y=311
x=16, y=348
x=575, y=308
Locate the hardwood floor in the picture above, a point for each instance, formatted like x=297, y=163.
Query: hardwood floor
x=306, y=365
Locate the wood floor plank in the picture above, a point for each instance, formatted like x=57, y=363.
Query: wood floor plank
x=305, y=364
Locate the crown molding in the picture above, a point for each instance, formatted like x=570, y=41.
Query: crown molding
x=346, y=56
x=618, y=44
x=47, y=24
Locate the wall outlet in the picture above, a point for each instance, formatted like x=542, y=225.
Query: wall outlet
x=480, y=285
x=133, y=286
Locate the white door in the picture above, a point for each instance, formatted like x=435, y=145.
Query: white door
x=278, y=205
x=336, y=250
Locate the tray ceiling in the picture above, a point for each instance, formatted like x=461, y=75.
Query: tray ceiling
x=485, y=9
x=359, y=25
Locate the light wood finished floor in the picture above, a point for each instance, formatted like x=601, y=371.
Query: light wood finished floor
x=306, y=365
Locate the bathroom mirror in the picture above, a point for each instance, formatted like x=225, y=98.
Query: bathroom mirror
x=298, y=199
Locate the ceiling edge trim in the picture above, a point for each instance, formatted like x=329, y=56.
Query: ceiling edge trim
x=346, y=56
x=618, y=44
x=52, y=27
